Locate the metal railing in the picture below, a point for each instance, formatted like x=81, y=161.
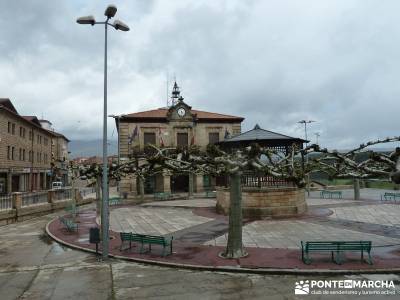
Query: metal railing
x=87, y=190
x=62, y=194
x=5, y=202
x=34, y=198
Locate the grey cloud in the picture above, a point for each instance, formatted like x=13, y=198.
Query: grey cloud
x=272, y=62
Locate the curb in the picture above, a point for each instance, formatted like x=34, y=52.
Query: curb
x=272, y=271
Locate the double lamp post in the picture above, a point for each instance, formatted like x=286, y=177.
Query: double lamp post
x=110, y=12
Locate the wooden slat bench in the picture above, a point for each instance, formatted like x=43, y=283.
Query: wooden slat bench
x=330, y=194
x=337, y=247
x=390, y=196
x=69, y=224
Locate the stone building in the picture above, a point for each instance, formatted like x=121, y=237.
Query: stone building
x=30, y=152
x=177, y=125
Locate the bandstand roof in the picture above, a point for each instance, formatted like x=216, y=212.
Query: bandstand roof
x=262, y=137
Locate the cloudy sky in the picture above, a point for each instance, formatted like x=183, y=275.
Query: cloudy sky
x=272, y=62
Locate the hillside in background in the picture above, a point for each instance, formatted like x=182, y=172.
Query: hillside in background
x=85, y=148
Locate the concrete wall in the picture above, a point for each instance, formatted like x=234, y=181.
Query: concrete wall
x=257, y=204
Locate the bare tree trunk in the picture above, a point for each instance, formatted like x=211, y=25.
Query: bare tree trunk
x=191, y=184
x=141, y=188
x=356, y=189
x=234, y=247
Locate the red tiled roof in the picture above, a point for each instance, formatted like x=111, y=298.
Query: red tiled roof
x=161, y=113
x=5, y=102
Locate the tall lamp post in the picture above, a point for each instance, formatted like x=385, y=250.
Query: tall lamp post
x=305, y=122
x=118, y=118
x=110, y=12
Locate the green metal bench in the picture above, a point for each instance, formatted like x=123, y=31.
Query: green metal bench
x=162, y=196
x=166, y=242
x=337, y=247
x=390, y=196
x=72, y=209
x=144, y=239
x=331, y=194
x=69, y=224
x=114, y=201
x=130, y=237
x=211, y=194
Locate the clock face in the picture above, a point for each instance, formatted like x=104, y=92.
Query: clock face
x=181, y=112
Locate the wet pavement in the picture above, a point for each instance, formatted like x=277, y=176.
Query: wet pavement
x=33, y=266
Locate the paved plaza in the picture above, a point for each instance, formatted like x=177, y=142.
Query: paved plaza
x=343, y=223
x=154, y=220
x=34, y=267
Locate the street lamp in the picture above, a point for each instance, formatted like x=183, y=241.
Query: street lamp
x=305, y=122
x=110, y=12
x=118, y=118
x=317, y=135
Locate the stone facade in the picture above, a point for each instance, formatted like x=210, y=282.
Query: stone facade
x=271, y=202
x=26, y=151
x=177, y=125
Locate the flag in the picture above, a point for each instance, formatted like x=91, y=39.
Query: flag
x=133, y=135
x=160, y=136
x=227, y=134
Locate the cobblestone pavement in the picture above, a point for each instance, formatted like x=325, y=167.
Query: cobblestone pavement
x=36, y=268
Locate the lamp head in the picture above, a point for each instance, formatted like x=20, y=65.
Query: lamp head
x=119, y=25
x=111, y=10
x=86, y=20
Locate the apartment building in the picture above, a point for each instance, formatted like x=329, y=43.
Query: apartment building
x=29, y=152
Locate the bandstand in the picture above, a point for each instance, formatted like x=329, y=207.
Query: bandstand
x=262, y=196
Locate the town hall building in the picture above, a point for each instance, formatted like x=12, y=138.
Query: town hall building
x=176, y=126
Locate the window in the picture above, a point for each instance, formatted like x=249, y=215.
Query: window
x=20, y=154
x=8, y=152
x=22, y=132
x=23, y=154
x=149, y=138
x=33, y=156
x=213, y=137
x=12, y=153
x=9, y=127
x=46, y=141
x=182, y=139
x=13, y=128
